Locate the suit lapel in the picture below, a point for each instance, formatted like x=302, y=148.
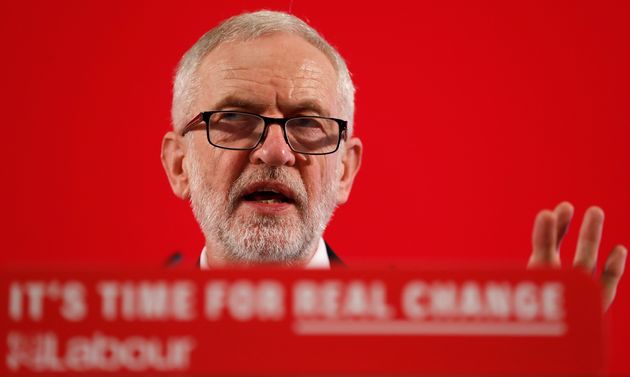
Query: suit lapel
x=335, y=261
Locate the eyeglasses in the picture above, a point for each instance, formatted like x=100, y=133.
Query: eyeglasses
x=237, y=130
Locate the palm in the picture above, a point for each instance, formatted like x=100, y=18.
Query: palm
x=549, y=230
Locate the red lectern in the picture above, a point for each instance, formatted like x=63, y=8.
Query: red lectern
x=300, y=322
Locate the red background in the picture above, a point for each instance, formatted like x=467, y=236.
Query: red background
x=474, y=116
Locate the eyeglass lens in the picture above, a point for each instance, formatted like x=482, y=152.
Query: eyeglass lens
x=243, y=131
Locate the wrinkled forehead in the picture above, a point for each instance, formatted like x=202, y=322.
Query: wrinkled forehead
x=281, y=66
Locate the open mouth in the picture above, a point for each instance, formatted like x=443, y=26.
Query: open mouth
x=267, y=197
x=268, y=193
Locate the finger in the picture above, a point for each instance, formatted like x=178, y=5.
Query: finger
x=544, y=242
x=613, y=270
x=589, y=238
x=564, y=213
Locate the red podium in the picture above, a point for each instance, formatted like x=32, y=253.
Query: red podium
x=297, y=322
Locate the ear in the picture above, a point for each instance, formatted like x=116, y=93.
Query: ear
x=173, y=154
x=351, y=161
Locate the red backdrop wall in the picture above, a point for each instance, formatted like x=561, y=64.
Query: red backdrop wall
x=474, y=116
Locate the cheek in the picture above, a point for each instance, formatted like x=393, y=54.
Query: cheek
x=227, y=167
x=332, y=168
x=218, y=168
x=323, y=174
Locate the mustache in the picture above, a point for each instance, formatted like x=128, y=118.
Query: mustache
x=277, y=174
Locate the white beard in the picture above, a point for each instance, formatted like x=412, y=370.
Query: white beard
x=259, y=239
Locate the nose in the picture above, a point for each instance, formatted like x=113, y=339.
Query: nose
x=273, y=149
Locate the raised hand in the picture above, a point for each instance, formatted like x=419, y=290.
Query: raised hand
x=549, y=230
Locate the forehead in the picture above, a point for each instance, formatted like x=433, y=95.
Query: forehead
x=279, y=70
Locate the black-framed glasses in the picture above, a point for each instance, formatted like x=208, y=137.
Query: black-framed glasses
x=239, y=130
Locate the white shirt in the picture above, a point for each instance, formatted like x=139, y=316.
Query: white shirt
x=318, y=261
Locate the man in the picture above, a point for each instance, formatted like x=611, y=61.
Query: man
x=262, y=147
x=263, y=190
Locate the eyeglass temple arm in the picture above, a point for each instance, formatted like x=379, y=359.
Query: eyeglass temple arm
x=344, y=131
x=192, y=124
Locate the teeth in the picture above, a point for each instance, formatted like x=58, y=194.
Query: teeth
x=269, y=201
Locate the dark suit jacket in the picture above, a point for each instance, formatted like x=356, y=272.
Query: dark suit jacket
x=335, y=261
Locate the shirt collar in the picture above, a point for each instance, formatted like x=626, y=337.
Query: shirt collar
x=318, y=261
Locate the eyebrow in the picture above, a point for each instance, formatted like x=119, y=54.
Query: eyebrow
x=308, y=106
x=233, y=101
x=240, y=103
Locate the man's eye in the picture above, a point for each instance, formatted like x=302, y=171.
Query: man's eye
x=307, y=122
x=234, y=117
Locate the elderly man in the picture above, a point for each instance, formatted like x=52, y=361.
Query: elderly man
x=263, y=148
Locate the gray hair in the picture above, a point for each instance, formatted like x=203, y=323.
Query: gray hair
x=245, y=27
